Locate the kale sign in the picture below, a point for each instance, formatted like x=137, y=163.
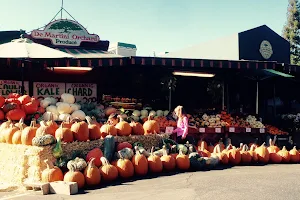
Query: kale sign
x=65, y=32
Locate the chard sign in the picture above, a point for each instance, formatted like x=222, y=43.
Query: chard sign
x=64, y=32
x=85, y=92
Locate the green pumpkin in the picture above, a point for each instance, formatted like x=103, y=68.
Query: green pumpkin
x=109, y=147
x=196, y=161
x=125, y=153
x=183, y=148
x=211, y=162
x=43, y=140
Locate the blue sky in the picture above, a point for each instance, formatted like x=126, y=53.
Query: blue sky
x=153, y=25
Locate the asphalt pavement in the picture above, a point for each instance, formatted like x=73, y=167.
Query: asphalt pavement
x=270, y=182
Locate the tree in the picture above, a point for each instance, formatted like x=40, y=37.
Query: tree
x=66, y=26
x=291, y=30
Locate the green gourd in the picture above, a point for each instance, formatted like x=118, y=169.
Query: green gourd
x=57, y=150
x=211, y=162
x=109, y=147
x=125, y=153
x=196, y=161
x=79, y=164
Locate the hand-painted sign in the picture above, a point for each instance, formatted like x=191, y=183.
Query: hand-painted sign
x=44, y=89
x=10, y=86
x=65, y=32
x=85, y=92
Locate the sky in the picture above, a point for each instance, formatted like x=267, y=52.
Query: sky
x=153, y=25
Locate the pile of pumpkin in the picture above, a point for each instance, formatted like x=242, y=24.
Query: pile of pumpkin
x=16, y=107
x=243, y=155
x=125, y=160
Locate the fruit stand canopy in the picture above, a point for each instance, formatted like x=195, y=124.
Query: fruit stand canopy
x=88, y=53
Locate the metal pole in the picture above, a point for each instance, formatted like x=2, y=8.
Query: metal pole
x=62, y=7
x=22, y=75
x=256, y=111
x=274, y=99
x=223, y=95
x=170, y=95
x=227, y=97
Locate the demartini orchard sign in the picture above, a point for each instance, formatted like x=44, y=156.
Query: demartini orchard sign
x=65, y=32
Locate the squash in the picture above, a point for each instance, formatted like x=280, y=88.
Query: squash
x=168, y=161
x=51, y=173
x=43, y=130
x=80, y=131
x=137, y=128
x=74, y=175
x=95, y=153
x=79, y=164
x=196, y=161
x=28, y=133
x=2, y=115
x=275, y=158
x=262, y=154
x=234, y=156
x=294, y=155
x=154, y=162
x=245, y=155
x=107, y=129
x=202, y=150
x=223, y=157
x=272, y=148
x=20, y=124
x=126, y=153
x=123, y=128
x=109, y=147
x=2, y=101
x=43, y=140
x=94, y=129
x=151, y=126
x=123, y=145
x=16, y=139
x=24, y=99
x=253, y=153
x=140, y=163
x=64, y=133
x=284, y=154
x=57, y=150
x=182, y=161
x=108, y=172
x=15, y=114
x=9, y=132
x=211, y=162
x=125, y=168
x=92, y=174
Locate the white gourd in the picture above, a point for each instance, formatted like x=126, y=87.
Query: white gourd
x=63, y=117
x=45, y=103
x=159, y=113
x=78, y=114
x=144, y=112
x=166, y=112
x=52, y=109
x=75, y=107
x=52, y=100
x=64, y=108
x=152, y=113
x=46, y=116
x=136, y=113
x=68, y=98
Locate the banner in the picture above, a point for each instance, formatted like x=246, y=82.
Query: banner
x=10, y=86
x=46, y=89
x=84, y=92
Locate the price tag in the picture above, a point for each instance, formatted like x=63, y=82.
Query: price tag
x=218, y=130
x=169, y=129
x=231, y=129
x=248, y=130
x=262, y=130
x=202, y=130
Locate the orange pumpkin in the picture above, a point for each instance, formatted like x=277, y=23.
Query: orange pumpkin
x=75, y=176
x=52, y=125
x=30, y=107
x=137, y=128
x=28, y=133
x=44, y=130
x=169, y=163
x=275, y=158
x=154, y=163
x=123, y=128
x=272, y=148
x=253, y=153
x=140, y=164
x=52, y=173
x=285, y=155
x=65, y=134
x=9, y=132
x=24, y=99
x=2, y=116
x=92, y=174
x=246, y=158
x=220, y=154
x=2, y=101
x=108, y=172
x=202, y=150
x=210, y=148
x=182, y=161
x=234, y=156
x=262, y=154
x=151, y=126
x=95, y=153
x=20, y=124
x=94, y=129
x=16, y=139
x=107, y=129
x=294, y=155
x=125, y=168
x=80, y=131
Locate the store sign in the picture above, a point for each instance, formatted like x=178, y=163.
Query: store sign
x=85, y=92
x=65, y=32
x=45, y=89
x=10, y=86
x=266, y=49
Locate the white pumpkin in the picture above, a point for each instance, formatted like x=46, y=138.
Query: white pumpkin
x=136, y=113
x=45, y=103
x=166, y=112
x=51, y=99
x=78, y=114
x=152, y=113
x=58, y=103
x=159, y=113
x=63, y=117
x=135, y=118
x=64, y=108
x=144, y=112
x=75, y=107
x=52, y=109
x=67, y=98
x=46, y=116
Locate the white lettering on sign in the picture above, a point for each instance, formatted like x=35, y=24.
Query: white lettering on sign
x=85, y=92
x=65, y=32
x=169, y=129
x=11, y=86
x=42, y=90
